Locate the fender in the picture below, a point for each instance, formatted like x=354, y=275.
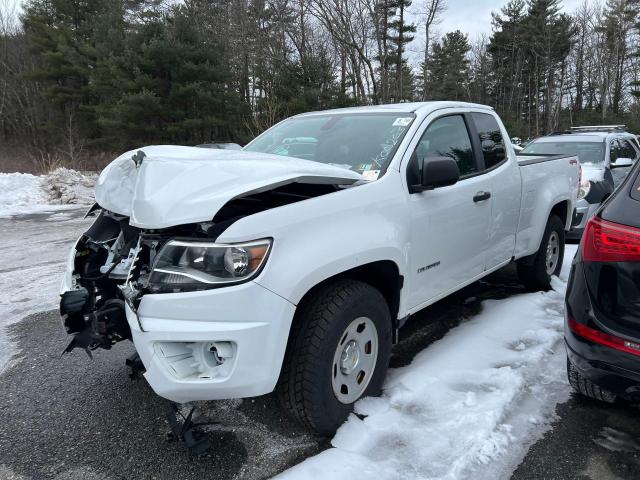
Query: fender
x=371, y=222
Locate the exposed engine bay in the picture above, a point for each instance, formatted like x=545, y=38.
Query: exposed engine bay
x=117, y=264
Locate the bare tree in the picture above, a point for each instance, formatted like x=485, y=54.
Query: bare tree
x=350, y=23
x=431, y=13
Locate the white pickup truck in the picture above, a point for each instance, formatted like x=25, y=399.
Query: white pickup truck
x=291, y=265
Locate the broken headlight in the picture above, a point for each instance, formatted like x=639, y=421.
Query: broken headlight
x=185, y=265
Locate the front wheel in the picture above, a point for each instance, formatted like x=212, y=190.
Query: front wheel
x=338, y=353
x=535, y=272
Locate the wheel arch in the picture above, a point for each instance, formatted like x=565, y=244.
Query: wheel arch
x=561, y=209
x=383, y=275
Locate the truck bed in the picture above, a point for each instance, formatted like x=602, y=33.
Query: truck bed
x=545, y=182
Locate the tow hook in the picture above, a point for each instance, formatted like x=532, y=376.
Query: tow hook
x=183, y=429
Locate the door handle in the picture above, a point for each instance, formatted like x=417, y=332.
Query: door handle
x=481, y=196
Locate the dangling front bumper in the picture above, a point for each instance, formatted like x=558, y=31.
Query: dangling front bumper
x=175, y=333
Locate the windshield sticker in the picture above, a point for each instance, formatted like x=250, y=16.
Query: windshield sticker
x=371, y=175
x=363, y=167
x=402, y=122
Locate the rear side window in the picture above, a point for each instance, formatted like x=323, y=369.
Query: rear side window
x=448, y=137
x=491, y=140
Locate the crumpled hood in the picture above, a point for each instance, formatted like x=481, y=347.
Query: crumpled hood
x=176, y=185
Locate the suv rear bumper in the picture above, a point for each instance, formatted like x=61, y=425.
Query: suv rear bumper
x=610, y=376
x=173, y=333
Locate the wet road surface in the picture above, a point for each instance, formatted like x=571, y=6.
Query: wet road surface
x=69, y=417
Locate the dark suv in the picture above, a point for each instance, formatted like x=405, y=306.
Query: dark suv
x=602, y=328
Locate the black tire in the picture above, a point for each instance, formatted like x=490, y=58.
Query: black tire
x=586, y=387
x=305, y=386
x=532, y=271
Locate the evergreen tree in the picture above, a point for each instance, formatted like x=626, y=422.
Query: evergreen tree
x=63, y=35
x=449, y=68
x=167, y=85
x=395, y=33
x=619, y=19
x=402, y=35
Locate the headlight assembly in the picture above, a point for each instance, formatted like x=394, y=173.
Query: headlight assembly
x=585, y=186
x=185, y=265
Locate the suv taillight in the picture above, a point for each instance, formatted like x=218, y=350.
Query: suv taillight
x=603, y=338
x=605, y=241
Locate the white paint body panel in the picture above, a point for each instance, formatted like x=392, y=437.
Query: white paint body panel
x=320, y=237
x=178, y=185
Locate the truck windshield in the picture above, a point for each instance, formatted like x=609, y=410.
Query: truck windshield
x=587, y=152
x=360, y=142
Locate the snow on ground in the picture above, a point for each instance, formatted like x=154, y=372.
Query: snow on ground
x=34, y=250
x=468, y=406
x=22, y=193
x=39, y=218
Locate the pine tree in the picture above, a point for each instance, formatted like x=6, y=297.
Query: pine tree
x=395, y=33
x=619, y=19
x=62, y=34
x=403, y=34
x=167, y=85
x=449, y=68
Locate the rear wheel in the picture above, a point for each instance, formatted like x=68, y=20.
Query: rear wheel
x=535, y=272
x=586, y=387
x=338, y=353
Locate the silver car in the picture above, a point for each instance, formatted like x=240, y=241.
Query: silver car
x=606, y=155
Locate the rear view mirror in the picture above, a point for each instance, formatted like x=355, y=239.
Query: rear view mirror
x=437, y=172
x=622, y=162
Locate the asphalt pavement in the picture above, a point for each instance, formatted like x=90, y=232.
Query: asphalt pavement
x=69, y=417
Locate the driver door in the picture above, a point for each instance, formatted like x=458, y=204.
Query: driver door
x=449, y=225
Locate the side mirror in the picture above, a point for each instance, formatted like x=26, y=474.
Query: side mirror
x=437, y=172
x=622, y=162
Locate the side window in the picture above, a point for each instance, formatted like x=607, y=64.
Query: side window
x=447, y=137
x=493, y=149
x=614, y=154
x=627, y=150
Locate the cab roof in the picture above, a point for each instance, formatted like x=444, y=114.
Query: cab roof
x=409, y=107
x=574, y=137
x=585, y=137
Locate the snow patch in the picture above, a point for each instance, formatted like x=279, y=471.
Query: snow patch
x=592, y=173
x=467, y=407
x=23, y=193
x=19, y=191
x=65, y=186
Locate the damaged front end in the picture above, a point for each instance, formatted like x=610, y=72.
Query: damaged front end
x=112, y=265
x=106, y=259
x=156, y=228
x=115, y=264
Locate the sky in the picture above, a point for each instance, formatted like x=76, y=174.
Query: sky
x=472, y=17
